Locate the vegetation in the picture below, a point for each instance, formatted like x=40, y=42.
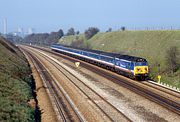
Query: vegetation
x=43, y=38
x=90, y=32
x=152, y=45
x=123, y=28
x=172, y=59
x=15, y=90
x=71, y=31
x=14, y=38
x=109, y=30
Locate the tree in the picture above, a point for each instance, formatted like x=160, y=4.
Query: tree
x=44, y=38
x=172, y=59
x=109, y=30
x=90, y=32
x=60, y=33
x=71, y=31
x=77, y=32
x=52, y=38
x=123, y=28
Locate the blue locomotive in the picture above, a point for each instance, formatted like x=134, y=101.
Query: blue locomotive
x=133, y=67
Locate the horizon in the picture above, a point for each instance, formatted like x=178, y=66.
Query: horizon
x=79, y=14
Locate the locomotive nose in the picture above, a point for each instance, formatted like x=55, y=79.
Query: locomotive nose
x=141, y=70
x=146, y=69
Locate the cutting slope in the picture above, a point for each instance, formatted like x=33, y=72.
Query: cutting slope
x=15, y=88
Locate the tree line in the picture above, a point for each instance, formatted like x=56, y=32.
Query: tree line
x=53, y=37
x=43, y=38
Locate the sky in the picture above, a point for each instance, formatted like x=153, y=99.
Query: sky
x=52, y=15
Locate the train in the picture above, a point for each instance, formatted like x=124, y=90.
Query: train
x=129, y=66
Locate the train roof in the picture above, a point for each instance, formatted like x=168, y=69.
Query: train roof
x=116, y=55
x=125, y=57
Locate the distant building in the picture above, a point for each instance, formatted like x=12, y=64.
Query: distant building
x=19, y=32
x=30, y=31
x=5, y=26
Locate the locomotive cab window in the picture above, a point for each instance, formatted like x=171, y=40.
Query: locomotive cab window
x=141, y=63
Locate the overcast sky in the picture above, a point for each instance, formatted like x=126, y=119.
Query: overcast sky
x=51, y=15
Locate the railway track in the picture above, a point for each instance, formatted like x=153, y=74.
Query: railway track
x=167, y=90
x=160, y=95
x=104, y=106
x=62, y=104
x=165, y=99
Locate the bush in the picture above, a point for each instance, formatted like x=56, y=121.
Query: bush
x=14, y=95
x=15, y=89
x=172, y=59
x=90, y=32
x=77, y=43
x=123, y=28
x=71, y=31
x=109, y=30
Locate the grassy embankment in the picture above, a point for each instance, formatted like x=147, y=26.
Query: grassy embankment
x=15, y=90
x=152, y=45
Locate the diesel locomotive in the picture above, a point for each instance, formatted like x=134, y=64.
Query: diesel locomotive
x=130, y=66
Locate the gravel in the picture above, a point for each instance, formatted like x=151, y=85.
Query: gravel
x=136, y=107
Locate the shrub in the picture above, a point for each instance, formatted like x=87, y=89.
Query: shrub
x=90, y=32
x=172, y=59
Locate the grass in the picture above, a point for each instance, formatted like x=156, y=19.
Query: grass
x=67, y=40
x=15, y=88
x=152, y=45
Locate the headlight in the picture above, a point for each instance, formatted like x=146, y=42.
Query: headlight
x=138, y=69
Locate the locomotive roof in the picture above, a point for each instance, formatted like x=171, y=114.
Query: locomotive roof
x=125, y=57
x=116, y=55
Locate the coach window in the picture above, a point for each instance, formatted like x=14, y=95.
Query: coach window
x=129, y=66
